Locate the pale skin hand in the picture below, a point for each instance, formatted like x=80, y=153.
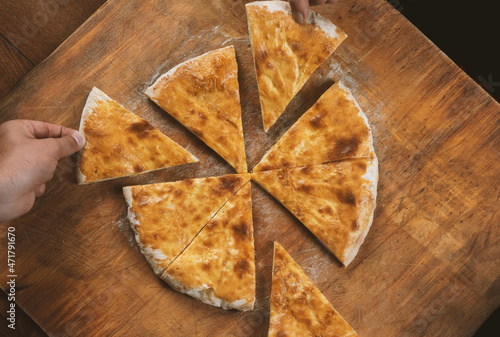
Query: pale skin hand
x=300, y=8
x=29, y=152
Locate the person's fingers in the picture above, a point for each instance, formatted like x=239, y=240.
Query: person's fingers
x=41, y=130
x=18, y=208
x=40, y=190
x=64, y=146
x=26, y=204
x=300, y=10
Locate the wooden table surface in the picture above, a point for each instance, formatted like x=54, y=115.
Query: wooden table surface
x=29, y=32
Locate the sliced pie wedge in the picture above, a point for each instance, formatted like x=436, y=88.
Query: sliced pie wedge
x=120, y=143
x=203, y=95
x=298, y=308
x=334, y=128
x=218, y=267
x=334, y=201
x=286, y=53
x=166, y=217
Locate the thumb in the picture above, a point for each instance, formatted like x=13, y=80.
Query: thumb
x=300, y=10
x=67, y=145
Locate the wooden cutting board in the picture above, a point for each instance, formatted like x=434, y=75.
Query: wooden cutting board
x=429, y=265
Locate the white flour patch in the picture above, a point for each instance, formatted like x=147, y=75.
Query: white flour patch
x=341, y=75
x=315, y=267
x=124, y=227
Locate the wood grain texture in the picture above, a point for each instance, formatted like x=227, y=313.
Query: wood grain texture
x=36, y=28
x=429, y=265
x=13, y=66
x=25, y=326
x=19, y=21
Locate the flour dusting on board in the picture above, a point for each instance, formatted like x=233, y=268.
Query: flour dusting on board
x=194, y=46
x=314, y=268
x=343, y=76
x=372, y=109
x=124, y=227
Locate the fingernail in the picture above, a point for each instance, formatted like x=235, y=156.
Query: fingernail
x=80, y=139
x=298, y=17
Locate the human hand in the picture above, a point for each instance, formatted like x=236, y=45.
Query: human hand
x=300, y=8
x=29, y=152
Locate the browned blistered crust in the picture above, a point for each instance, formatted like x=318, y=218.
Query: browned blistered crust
x=120, y=143
x=218, y=267
x=298, y=308
x=286, y=53
x=165, y=217
x=203, y=95
x=334, y=201
x=334, y=128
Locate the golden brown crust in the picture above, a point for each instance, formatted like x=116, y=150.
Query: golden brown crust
x=286, y=53
x=334, y=201
x=298, y=308
x=218, y=267
x=203, y=95
x=120, y=143
x=334, y=128
x=166, y=217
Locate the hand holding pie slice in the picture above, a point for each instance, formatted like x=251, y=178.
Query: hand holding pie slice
x=121, y=144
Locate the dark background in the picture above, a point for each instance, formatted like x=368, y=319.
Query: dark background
x=466, y=31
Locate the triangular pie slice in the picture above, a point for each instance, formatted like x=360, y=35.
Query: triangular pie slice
x=334, y=128
x=334, y=201
x=203, y=95
x=218, y=267
x=120, y=143
x=286, y=53
x=165, y=217
x=298, y=308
